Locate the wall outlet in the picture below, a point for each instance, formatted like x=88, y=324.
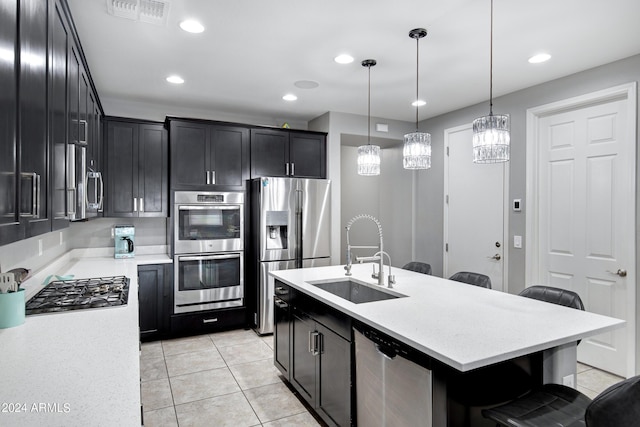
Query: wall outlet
x=517, y=242
x=61, y=238
x=569, y=381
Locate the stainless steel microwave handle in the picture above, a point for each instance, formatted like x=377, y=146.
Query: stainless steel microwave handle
x=208, y=257
x=208, y=207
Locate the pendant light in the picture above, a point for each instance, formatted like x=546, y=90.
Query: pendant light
x=491, y=137
x=416, y=153
x=369, y=155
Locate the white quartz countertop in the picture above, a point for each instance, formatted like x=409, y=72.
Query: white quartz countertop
x=76, y=368
x=463, y=326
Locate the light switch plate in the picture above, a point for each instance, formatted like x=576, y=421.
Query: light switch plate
x=517, y=242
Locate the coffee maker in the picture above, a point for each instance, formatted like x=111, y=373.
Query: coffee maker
x=123, y=236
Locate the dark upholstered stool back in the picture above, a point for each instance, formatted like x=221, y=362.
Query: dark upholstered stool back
x=554, y=295
x=475, y=279
x=619, y=405
x=418, y=267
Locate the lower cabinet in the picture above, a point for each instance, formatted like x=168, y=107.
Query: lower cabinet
x=208, y=321
x=155, y=299
x=319, y=355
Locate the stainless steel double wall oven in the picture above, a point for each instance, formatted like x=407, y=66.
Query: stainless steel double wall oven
x=208, y=248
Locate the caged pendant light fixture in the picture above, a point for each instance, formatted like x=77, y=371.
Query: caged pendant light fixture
x=369, y=155
x=416, y=153
x=491, y=137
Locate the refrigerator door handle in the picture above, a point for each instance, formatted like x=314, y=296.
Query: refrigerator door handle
x=298, y=227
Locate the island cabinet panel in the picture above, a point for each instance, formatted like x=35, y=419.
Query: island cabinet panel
x=137, y=169
x=285, y=153
x=282, y=330
x=207, y=155
x=319, y=354
x=155, y=286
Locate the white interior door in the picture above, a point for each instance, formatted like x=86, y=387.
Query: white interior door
x=474, y=211
x=585, y=214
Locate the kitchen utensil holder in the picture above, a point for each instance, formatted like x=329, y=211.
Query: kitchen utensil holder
x=12, y=306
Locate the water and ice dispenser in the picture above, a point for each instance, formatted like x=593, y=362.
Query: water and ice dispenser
x=277, y=223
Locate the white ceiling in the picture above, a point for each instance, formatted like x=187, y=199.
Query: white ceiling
x=253, y=51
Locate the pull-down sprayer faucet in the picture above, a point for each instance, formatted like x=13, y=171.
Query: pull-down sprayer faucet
x=377, y=257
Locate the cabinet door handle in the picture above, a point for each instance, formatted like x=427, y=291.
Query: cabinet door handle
x=213, y=177
x=141, y=205
x=286, y=167
x=208, y=178
x=314, y=343
x=215, y=319
x=135, y=204
x=35, y=194
x=293, y=169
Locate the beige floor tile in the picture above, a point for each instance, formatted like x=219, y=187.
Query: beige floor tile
x=187, y=345
x=229, y=410
x=151, y=349
x=268, y=340
x=300, y=420
x=589, y=393
x=165, y=417
x=244, y=353
x=273, y=402
x=202, y=385
x=582, y=367
x=152, y=368
x=156, y=394
x=255, y=374
x=187, y=363
x=235, y=337
x=597, y=380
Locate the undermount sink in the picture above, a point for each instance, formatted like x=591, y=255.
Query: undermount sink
x=354, y=291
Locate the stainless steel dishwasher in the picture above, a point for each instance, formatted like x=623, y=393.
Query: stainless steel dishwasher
x=391, y=390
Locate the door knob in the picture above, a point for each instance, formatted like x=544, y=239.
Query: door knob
x=620, y=272
x=498, y=244
x=497, y=257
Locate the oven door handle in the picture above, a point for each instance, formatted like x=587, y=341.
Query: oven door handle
x=208, y=207
x=207, y=257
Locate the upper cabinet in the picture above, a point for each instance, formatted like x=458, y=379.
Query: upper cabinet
x=41, y=104
x=208, y=155
x=10, y=229
x=137, y=169
x=276, y=152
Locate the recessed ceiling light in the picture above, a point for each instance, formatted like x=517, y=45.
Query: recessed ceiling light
x=289, y=97
x=306, y=84
x=541, y=57
x=175, y=79
x=343, y=59
x=191, y=26
x=418, y=103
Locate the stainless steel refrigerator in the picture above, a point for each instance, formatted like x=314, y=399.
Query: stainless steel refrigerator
x=291, y=225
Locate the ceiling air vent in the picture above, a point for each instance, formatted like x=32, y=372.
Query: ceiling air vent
x=150, y=11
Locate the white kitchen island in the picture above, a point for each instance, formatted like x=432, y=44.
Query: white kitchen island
x=461, y=326
x=75, y=368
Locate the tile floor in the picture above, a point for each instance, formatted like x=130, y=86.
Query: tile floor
x=228, y=379
x=221, y=379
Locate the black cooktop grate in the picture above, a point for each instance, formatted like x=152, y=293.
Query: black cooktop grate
x=78, y=294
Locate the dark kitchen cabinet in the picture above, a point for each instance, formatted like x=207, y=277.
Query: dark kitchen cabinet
x=155, y=300
x=276, y=152
x=136, y=169
x=32, y=117
x=58, y=116
x=282, y=330
x=318, y=353
x=10, y=229
x=204, y=155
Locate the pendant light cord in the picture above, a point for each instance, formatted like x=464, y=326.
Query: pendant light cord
x=417, y=77
x=369, y=109
x=491, y=64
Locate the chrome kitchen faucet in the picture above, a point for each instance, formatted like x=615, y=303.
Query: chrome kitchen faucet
x=379, y=256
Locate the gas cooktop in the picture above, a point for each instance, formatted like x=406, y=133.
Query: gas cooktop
x=79, y=294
